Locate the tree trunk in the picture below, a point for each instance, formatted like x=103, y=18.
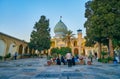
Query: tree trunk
x=111, y=48
x=99, y=50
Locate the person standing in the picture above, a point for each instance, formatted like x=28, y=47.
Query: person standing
x=73, y=60
x=68, y=57
x=15, y=56
x=91, y=56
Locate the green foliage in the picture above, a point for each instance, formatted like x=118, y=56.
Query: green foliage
x=1, y=57
x=116, y=43
x=34, y=55
x=99, y=60
x=40, y=36
x=102, y=20
x=103, y=54
x=26, y=55
x=89, y=42
x=90, y=55
x=55, y=50
x=105, y=60
x=110, y=59
x=49, y=57
x=68, y=36
x=8, y=55
x=62, y=50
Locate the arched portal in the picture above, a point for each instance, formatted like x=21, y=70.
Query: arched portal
x=83, y=52
x=30, y=51
x=20, y=49
x=75, y=51
x=2, y=47
x=26, y=49
x=75, y=43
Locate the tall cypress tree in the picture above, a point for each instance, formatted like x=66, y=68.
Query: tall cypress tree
x=40, y=36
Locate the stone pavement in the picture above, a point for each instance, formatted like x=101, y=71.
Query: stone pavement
x=33, y=68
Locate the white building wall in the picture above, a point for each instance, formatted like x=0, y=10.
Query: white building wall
x=2, y=48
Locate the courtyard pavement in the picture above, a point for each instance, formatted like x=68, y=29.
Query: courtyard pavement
x=34, y=68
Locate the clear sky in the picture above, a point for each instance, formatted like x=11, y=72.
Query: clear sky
x=17, y=17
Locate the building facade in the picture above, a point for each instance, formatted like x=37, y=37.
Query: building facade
x=9, y=44
x=77, y=44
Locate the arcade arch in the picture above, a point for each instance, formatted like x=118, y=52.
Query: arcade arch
x=2, y=47
x=26, y=50
x=76, y=51
x=20, y=49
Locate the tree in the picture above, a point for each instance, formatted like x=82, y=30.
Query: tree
x=63, y=51
x=103, y=20
x=40, y=36
x=92, y=31
x=55, y=50
x=68, y=37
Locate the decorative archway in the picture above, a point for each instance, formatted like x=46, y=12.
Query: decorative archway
x=75, y=51
x=2, y=47
x=20, y=49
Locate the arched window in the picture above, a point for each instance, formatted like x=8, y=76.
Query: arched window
x=75, y=43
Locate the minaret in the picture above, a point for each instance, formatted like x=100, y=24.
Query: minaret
x=79, y=33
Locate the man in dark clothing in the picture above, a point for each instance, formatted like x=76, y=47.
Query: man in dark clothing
x=58, y=61
x=63, y=60
x=15, y=55
x=73, y=60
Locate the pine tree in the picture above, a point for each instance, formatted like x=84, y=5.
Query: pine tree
x=40, y=36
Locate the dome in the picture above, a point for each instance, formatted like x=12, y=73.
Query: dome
x=60, y=27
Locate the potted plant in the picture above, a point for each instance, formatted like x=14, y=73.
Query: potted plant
x=49, y=60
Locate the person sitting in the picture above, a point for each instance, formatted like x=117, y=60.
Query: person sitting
x=58, y=61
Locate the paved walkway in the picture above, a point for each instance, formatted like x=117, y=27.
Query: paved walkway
x=33, y=68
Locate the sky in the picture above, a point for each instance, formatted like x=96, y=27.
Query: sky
x=17, y=17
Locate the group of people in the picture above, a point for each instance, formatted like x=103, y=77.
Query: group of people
x=68, y=59
x=71, y=60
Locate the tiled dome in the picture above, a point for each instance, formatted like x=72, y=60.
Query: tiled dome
x=60, y=28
